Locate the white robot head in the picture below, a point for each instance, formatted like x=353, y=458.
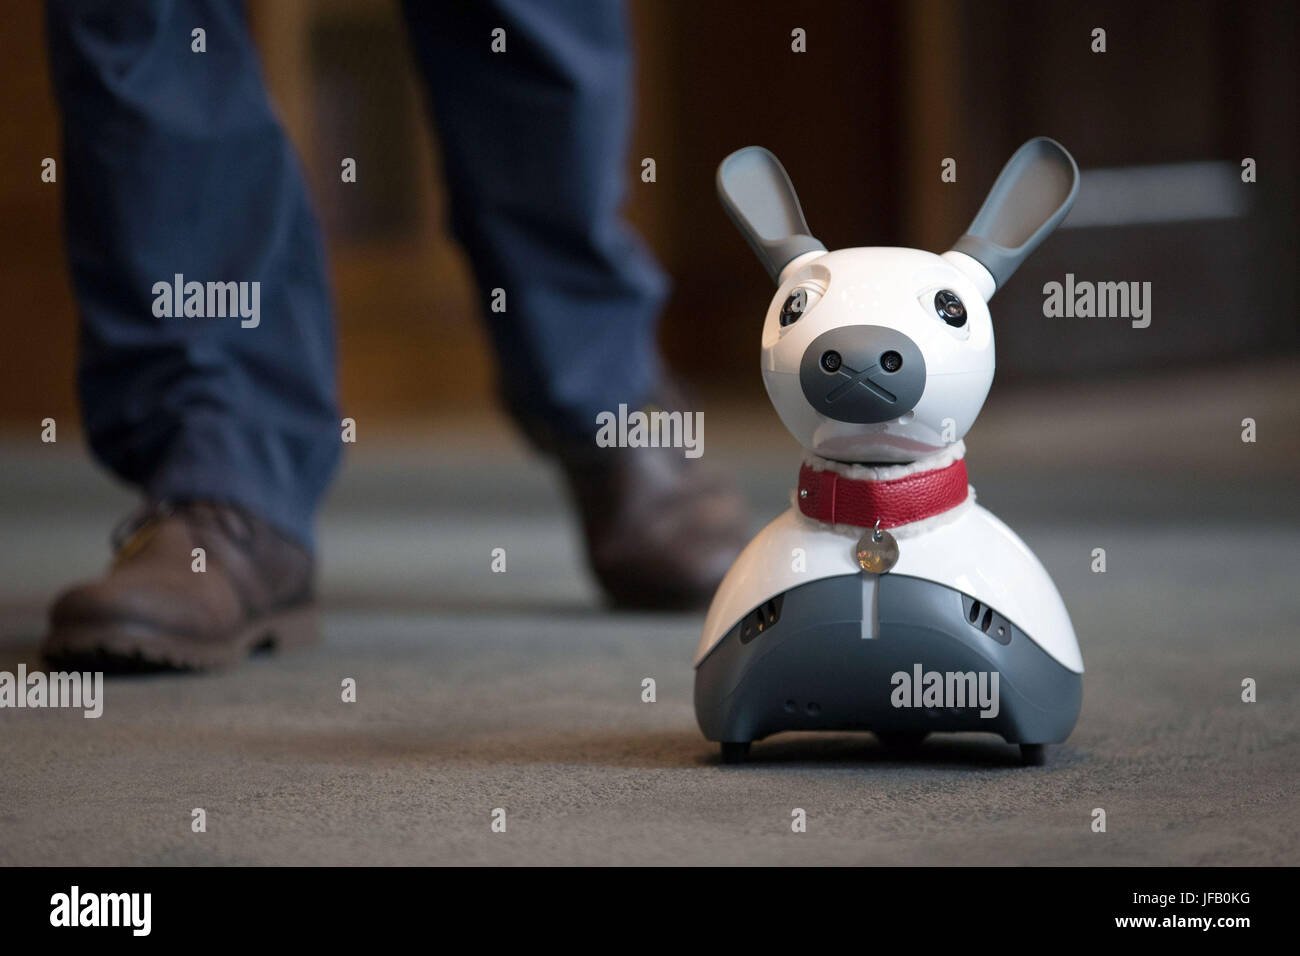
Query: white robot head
x=886, y=354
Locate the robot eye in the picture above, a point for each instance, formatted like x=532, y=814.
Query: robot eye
x=950, y=308
x=795, y=305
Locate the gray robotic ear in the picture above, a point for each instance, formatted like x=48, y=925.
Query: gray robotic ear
x=757, y=195
x=1034, y=191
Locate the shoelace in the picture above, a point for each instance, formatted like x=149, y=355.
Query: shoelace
x=129, y=534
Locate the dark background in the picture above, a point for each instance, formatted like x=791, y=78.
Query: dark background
x=862, y=120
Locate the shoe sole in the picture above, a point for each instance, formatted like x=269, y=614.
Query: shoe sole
x=133, y=647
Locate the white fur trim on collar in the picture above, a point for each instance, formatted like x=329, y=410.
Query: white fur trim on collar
x=940, y=459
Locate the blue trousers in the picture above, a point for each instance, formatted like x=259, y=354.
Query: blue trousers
x=174, y=163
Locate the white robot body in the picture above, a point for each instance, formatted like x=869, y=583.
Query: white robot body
x=793, y=551
x=885, y=575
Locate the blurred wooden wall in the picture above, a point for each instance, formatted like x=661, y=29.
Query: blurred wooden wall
x=862, y=120
x=36, y=357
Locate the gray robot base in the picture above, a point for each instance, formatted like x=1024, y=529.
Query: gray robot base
x=800, y=662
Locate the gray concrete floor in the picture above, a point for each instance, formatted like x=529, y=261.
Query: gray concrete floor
x=515, y=690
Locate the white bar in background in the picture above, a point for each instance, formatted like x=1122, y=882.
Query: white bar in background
x=1175, y=192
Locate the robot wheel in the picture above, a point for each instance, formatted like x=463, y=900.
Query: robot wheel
x=735, y=751
x=901, y=741
x=1033, y=755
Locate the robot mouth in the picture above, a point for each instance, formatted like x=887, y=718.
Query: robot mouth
x=863, y=378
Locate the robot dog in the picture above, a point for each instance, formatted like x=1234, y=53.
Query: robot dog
x=886, y=599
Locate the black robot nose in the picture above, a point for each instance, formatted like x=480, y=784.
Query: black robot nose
x=862, y=374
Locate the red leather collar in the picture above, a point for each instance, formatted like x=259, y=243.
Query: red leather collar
x=830, y=497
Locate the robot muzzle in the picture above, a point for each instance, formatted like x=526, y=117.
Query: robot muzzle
x=862, y=374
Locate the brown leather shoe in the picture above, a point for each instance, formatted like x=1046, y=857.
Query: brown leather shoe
x=661, y=529
x=151, y=610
